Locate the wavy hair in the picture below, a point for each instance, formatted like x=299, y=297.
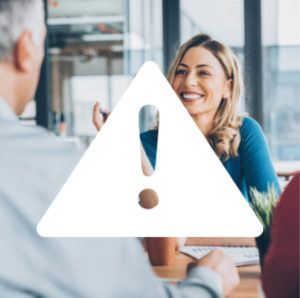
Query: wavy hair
x=224, y=136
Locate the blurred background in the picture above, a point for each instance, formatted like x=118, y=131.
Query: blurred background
x=94, y=48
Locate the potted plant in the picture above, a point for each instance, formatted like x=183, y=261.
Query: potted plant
x=263, y=204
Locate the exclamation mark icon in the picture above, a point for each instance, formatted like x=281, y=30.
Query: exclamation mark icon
x=148, y=197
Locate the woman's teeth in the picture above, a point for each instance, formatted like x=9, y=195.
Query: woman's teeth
x=191, y=96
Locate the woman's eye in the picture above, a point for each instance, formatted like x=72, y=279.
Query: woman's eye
x=204, y=73
x=180, y=72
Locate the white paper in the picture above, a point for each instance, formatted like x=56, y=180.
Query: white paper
x=241, y=255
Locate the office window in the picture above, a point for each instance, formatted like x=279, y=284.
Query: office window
x=96, y=48
x=281, y=74
x=144, y=38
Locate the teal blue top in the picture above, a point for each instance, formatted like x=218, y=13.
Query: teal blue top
x=251, y=168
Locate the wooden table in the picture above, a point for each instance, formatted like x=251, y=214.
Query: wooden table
x=249, y=276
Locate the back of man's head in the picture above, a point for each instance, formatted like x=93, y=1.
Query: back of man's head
x=16, y=16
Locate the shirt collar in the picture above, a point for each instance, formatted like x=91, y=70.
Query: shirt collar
x=6, y=112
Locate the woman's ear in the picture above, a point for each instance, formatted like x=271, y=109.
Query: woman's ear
x=228, y=89
x=24, y=52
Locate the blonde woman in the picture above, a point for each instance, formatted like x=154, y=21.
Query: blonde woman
x=205, y=75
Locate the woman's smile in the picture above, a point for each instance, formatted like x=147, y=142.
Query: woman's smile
x=200, y=82
x=188, y=96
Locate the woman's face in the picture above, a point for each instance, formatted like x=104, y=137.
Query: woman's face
x=200, y=82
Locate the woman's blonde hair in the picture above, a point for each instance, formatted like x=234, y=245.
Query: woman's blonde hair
x=224, y=135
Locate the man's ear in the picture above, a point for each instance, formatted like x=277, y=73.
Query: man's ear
x=24, y=52
x=229, y=88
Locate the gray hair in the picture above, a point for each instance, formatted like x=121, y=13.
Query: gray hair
x=15, y=17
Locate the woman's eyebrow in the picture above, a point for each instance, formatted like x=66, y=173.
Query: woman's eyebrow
x=198, y=66
x=203, y=65
x=182, y=64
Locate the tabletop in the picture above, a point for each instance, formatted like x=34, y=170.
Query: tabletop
x=249, y=276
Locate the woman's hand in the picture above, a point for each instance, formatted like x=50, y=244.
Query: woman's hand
x=218, y=262
x=98, y=119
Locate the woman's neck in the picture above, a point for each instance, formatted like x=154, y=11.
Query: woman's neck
x=204, y=122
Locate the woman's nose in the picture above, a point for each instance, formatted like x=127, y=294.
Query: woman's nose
x=191, y=80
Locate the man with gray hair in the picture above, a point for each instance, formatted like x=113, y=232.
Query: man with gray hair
x=22, y=29
x=33, y=167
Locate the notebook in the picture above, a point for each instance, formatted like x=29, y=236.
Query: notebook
x=241, y=255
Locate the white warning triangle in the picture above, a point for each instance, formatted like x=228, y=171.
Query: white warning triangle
x=197, y=197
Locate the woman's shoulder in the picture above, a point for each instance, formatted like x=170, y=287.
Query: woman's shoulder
x=252, y=135
x=248, y=123
x=250, y=127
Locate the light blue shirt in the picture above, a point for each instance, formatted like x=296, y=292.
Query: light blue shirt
x=33, y=167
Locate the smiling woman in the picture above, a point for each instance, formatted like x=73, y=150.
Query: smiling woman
x=205, y=75
x=201, y=85
x=210, y=68
x=206, y=78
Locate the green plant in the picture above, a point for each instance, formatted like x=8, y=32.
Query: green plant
x=263, y=204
